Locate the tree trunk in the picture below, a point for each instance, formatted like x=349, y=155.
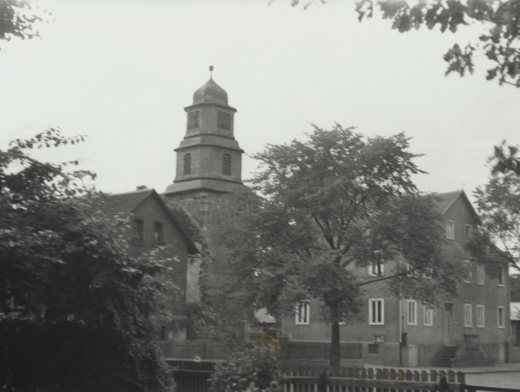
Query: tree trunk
x=335, y=352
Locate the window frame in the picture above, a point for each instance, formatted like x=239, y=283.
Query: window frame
x=481, y=274
x=306, y=319
x=468, y=315
x=158, y=233
x=371, y=266
x=468, y=278
x=501, y=317
x=138, y=238
x=427, y=315
x=187, y=164
x=468, y=232
x=381, y=318
x=480, y=311
x=411, y=317
x=500, y=277
x=226, y=164
x=450, y=229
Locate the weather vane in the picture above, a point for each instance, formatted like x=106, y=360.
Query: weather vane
x=211, y=71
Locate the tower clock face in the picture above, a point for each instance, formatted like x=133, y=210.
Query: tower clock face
x=193, y=119
x=224, y=121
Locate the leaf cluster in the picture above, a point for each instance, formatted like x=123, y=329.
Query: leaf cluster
x=500, y=43
x=259, y=366
x=17, y=18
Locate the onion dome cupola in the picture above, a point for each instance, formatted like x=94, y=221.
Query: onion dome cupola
x=208, y=158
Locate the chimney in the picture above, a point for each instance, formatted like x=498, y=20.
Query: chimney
x=141, y=187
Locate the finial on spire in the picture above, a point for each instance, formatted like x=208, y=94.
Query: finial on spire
x=211, y=71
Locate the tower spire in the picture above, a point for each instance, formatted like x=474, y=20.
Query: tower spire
x=211, y=71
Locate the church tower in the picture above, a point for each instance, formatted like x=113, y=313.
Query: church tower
x=209, y=159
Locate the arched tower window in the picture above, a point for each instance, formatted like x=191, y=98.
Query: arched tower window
x=226, y=164
x=187, y=163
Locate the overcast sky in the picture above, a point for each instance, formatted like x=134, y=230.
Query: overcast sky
x=121, y=72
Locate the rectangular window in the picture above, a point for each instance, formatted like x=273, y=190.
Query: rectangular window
x=376, y=269
x=412, y=312
x=187, y=164
x=501, y=322
x=468, y=232
x=373, y=348
x=481, y=274
x=450, y=230
x=427, y=315
x=158, y=233
x=468, y=278
x=376, y=311
x=481, y=319
x=226, y=164
x=500, y=276
x=138, y=231
x=467, y=315
x=303, y=313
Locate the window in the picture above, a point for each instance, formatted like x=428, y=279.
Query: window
x=138, y=231
x=501, y=317
x=224, y=120
x=412, y=312
x=500, y=276
x=373, y=348
x=468, y=278
x=427, y=315
x=450, y=230
x=468, y=232
x=193, y=119
x=467, y=315
x=187, y=163
x=481, y=323
x=226, y=164
x=481, y=274
x=158, y=233
x=376, y=311
x=302, y=313
x=376, y=269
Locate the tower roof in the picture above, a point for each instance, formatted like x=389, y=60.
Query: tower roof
x=210, y=92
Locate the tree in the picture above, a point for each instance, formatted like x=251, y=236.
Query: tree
x=75, y=309
x=499, y=43
x=503, y=161
x=17, y=19
x=328, y=205
x=498, y=203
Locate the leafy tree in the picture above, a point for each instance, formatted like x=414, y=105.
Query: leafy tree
x=505, y=161
x=330, y=204
x=17, y=19
x=75, y=309
x=498, y=203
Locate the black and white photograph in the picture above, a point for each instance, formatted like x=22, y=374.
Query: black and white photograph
x=259, y=195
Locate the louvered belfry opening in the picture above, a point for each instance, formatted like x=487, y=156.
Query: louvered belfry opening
x=226, y=165
x=187, y=164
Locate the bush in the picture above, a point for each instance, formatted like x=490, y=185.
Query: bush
x=258, y=365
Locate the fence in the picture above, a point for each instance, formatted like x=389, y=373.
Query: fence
x=372, y=379
x=193, y=376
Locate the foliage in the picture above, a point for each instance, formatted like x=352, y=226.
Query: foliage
x=17, y=19
x=499, y=205
x=258, y=365
x=503, y=161
x=330, y=204
x=499, y=43
x=75, y=307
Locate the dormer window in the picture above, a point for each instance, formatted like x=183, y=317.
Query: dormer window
x=226, y=164
x=468, y=232
x=450, y=230
x=187, y=164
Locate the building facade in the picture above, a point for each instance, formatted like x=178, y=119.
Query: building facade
x=153, y=225
x=470, y=329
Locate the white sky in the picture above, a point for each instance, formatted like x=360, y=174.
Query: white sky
x=121, y=72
